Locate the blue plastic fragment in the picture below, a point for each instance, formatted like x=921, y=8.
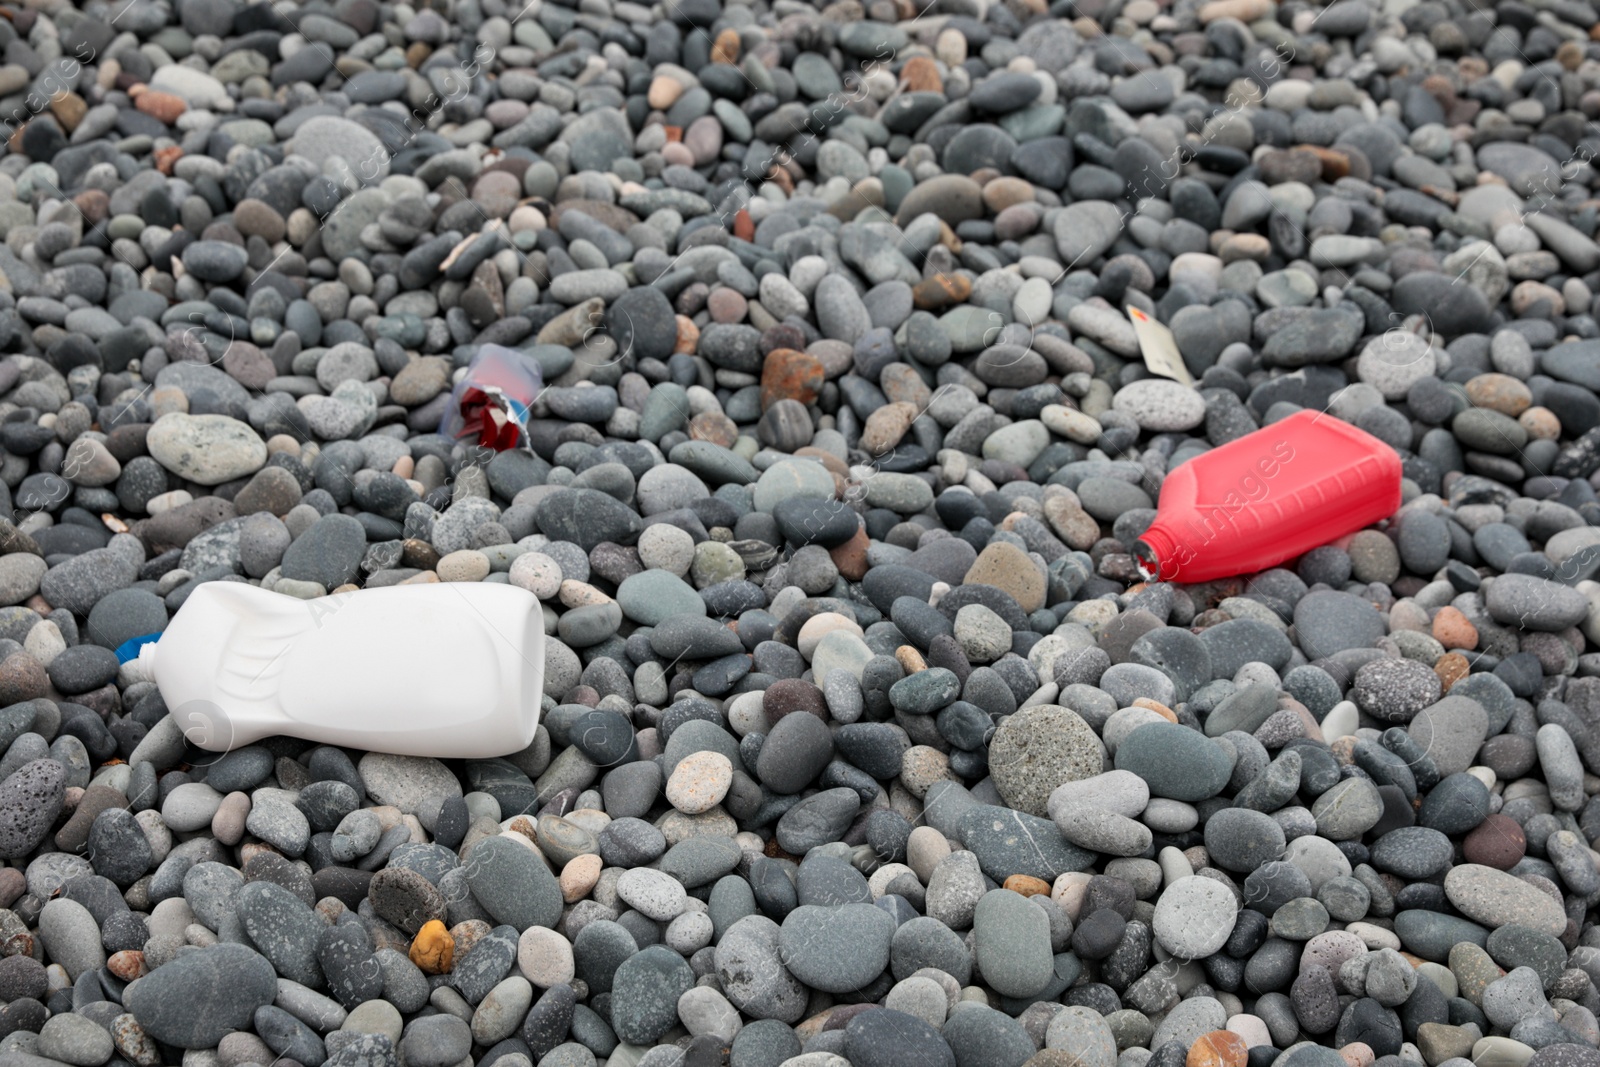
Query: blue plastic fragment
x=129, y=649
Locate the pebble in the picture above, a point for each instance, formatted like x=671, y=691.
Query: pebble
x=1175, y=762
x=1038, y=749
x=207, y=449
x=31, y=797
x=836, y=949
x=196, y=998
x=1160, y=405
x=1011, y=940
x=1495, y=898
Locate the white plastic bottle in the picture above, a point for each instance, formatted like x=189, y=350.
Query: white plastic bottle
x=452, y=670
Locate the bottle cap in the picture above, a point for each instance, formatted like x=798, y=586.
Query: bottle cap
x=134, y=647
x=1152, y=552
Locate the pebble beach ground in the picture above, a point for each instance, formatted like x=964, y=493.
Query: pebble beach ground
x=863, y=744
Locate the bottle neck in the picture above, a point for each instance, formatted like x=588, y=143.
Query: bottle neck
x=1154, y=554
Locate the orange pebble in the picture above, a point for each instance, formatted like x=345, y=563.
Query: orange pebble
x=1157, y=707
x=164, y=106
x=1219, y=1048
x=851, y=557
x=166, y=158
x=433, y=950
x=1027, y=885
x=940, y=291
x=921, y=74
x=726, y=48
x=127, y=964
x=688, y=336
x=1452, y=629
x=1451, y=668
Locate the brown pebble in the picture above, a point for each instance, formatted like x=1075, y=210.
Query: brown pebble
x=921, y=75
x=167, y=158
x=773, y=851
x=1496, y=842
x=726, y=47
x=127, y=964
x=948, y=238
x=1219, y=1048
x=1499, y=392
x=69, y=109
x=1442, y=89
x=1344, y=750
x=1008, y=568
x=1451, y=668
x=94, y=203
x=1001, y=193
x=885, y=427
x=22, y=678
x=1335, y=164
x=1251, y=246
x=715, y=427
x=851, y=557
x=901, y=383
x=12, y=885
x=468, y=933
x=941, y=291
x=1027, y=885
x=790, y=375
x=789, y=695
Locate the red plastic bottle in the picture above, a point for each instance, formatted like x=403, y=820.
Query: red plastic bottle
x=1268, y=497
